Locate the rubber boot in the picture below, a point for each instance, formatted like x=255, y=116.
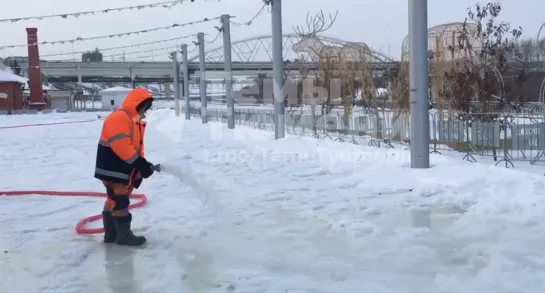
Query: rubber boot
x=124, y=232
x=110, y=233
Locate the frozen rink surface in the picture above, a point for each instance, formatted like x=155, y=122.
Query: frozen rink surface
x=255, y=215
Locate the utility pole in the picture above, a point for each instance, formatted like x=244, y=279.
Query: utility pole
x=204, y=112
x=185, y=69
x=176, y=82
x=418, y=84
x=226, y=30
x=278, y=67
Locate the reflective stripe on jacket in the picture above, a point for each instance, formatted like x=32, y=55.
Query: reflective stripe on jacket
x=121, y=141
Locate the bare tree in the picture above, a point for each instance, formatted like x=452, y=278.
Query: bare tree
x=328, y=77
x=399, y=86
x=528, y=50
x=541, y=49
x=483, y=48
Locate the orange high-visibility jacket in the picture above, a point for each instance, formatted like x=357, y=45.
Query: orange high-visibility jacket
x=122, y=141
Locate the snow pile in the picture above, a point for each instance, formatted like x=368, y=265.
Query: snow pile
x=478, y=221
x=299, y=215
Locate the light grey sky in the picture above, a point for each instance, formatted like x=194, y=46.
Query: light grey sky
x=382, y=24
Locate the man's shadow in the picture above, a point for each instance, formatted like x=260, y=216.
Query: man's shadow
x=119, y=265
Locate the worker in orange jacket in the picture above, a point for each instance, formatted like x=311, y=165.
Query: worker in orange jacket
x=121, y=165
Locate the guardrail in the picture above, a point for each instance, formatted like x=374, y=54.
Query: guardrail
x=506, y=138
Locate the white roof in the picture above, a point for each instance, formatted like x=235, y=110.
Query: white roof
x=6, y=76
x=117, y=89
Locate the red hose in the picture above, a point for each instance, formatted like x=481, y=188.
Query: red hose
x=80, y=226
x=45, y=124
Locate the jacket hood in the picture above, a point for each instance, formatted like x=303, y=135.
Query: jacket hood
x=133, y=99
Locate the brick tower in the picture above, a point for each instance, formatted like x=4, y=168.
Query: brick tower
x=34, y=71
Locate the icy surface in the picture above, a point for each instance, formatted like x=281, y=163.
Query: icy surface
x=250, y=214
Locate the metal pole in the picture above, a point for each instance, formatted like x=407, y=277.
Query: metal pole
x=185, y=72
x=204, y=112
x=278, y=67
x=226, y=29
x=418, y=82
x=176, y=82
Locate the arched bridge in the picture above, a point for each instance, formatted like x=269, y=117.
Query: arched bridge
x=249, y=56
x=250, y=49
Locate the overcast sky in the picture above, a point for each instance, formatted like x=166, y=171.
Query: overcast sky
x=382, y=24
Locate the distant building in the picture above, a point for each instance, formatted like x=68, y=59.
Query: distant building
x=11, y=92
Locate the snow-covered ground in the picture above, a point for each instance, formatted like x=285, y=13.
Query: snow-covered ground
x=251, y=214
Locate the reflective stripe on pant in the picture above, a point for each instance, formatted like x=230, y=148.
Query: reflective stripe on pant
x=118, y=198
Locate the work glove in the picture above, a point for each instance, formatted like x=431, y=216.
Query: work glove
x=144, y=167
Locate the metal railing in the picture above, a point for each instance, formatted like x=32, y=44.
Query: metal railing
x=505, y=137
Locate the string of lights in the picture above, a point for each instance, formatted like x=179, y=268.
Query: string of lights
x=150, y=56
x=193, y=50
x=171, y=47
x=239, y=24
x=120, y=47
x=165, y=4
x=157, y=55
x=249, y=22
x=215, y=38
x=176, y=25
